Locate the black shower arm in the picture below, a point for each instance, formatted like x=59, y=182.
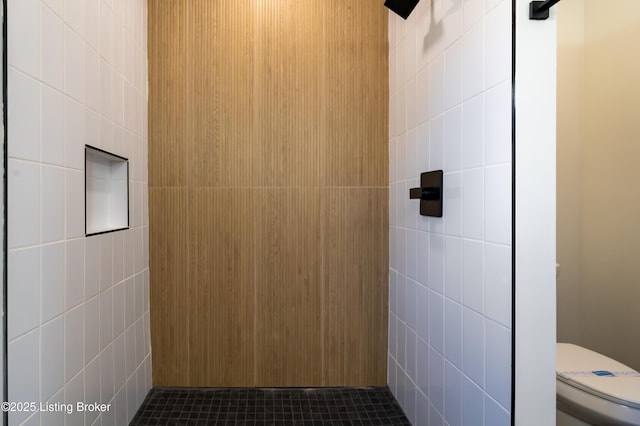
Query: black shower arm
x=539, y=10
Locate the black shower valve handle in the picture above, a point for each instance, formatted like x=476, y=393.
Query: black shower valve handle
x=429, y=193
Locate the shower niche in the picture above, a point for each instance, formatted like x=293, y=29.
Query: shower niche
x=106, y=192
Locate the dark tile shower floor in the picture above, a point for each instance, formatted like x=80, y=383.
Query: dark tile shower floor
x=281, y=406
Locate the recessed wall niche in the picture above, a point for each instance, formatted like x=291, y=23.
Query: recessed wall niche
x=106, y=191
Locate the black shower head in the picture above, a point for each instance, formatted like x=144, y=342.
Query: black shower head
x=401, y=7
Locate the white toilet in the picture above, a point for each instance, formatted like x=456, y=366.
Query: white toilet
x=593, y=389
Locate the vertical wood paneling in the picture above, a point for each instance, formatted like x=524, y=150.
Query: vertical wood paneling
x=355, y=298
x=288, y=286
x=269, y=266
x=169, y=107
x=223, y=150
x=290, y=110
x=222, y=294
x=168, y=290
x=357, y=81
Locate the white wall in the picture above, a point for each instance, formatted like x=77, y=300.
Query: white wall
x=597, y=131
x=535, y=219
x=450, y=278
x=571, y=112
x=78, y=316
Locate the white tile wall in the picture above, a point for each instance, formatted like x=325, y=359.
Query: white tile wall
x=77, y=75
x=450, y=278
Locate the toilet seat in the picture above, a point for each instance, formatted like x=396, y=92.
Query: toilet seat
x=596, y=388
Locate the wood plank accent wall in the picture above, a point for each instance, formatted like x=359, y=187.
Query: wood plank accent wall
x=268, y=192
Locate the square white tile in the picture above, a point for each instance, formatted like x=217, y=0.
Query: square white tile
x=106, y=94
x=74, y=65
x=453, y=23
x=129, y=302
x=106, y=30
x=74, y=182
x=92, y=267
x=473, y=275
x=498, y=210
x=23, y=203
x=120, y=407
x=411, y=163
x=497, y=129
x=453, y=140
x=130, y=351
x=392, y=340
x=74, y=134
x=422, y=409
x=422, y=148
x=472, y=404
x=52, y=48
x=24, y=116
x=24, y=381
x=412, y=103
x=74, y=392
x=473, y=12
x=23, y=291
x=436, y=321
x=73, y=342
x=473, y=345
x=453, y=332
x=119, y=368
x=106, y=261
x=132, y=398
x=498, y=363
x=452, y=203
x=57, y=6
x=92, y=23
x=410, y=303
x=52, y=344
x=473, y=61
x=138, y=282
x=452, y=271
x=473, y=199
x=422, y=312
x=52, y=126
x=498, y=283
x=118, y=309
x=473, y=132
x=436, y=263
x=436, y=143
x=92, y=78
x=496, y=414
x=91, y=329
x=92, y=388
x=74, y=15
x=52, y=280
x=118, y=41
x=422, y=366
x=412, y=254
x=409, y=53
x=453, y=75
x=423, y=258
x=436, y=380
x=498, y=45
x=52, y=203
x=118, y=96
x=106, y=318
x=436, y=86
x=106, y=375
x=452, y=394
x=23, y=35
x=74, y=278
x=422, y=92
